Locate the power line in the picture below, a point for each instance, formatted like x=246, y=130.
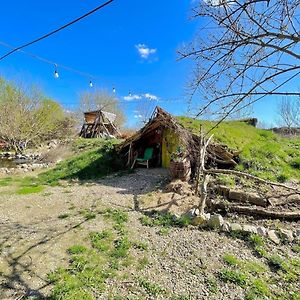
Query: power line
x=56, y=30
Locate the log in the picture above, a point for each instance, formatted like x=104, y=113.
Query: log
x=249, y=176
x=256, y=211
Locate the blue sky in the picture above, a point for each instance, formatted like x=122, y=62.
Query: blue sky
x=129, y=45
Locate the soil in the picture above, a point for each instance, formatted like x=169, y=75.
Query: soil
x=37, y=229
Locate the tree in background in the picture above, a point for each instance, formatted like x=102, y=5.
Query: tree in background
x=27, y=116
x=246, y=51
x=100, y=99
x=289, y=112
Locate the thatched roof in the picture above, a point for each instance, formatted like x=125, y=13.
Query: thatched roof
x=191, y=142
x=159, y=118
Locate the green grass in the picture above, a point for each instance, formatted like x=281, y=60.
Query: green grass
x=263, y=153
x=90, y=266
x=63, y=216
x=6, y=181
x=230, y=259
x=76, y=249
x=233, y=276
x=25, y=190
x=90, y=164
x=164, y=220
x=151, y=288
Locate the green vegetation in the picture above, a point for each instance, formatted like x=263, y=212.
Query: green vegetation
x=164, y=220
x=263, y=153
x=5, y=181
x=33, y=189
x=272, y=274
x=63, y=216
x=91, y=164
x=90, y=267
x=233, y=276
x=152, y=289
x=230, y=259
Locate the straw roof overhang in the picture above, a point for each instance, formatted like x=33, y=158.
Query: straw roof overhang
x=160, y=118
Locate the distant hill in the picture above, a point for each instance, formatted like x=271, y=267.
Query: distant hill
x=263, y=152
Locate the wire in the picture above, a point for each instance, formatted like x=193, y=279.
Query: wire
x=45, y=60
x=56, y=30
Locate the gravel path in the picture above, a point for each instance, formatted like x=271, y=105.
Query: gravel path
x=37, y=229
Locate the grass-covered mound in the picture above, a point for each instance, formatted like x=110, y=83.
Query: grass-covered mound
x=93, y=158
x=264, y=153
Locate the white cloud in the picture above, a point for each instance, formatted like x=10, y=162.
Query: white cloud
x=141, y=96
x=132, y=97
x=144, y=51
x=151, y=97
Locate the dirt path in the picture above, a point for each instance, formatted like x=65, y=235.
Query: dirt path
x=37, y=229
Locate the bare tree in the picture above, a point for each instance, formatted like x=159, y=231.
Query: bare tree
x=26, y=116
x=289, y=112
x=100, y=99
x=248, y=50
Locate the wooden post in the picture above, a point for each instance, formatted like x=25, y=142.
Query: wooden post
x=202, y=172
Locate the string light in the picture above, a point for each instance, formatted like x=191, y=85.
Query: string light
x=56, y=75
x=130, y=94
x=91, y=84
x=114, y=90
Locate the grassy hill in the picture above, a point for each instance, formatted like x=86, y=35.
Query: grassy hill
x=264, y=153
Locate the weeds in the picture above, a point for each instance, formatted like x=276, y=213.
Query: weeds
x=233, y=276
x=34, y=189
x=63, y=216
x=165, y=220
x=230, y=259
x=152, y=289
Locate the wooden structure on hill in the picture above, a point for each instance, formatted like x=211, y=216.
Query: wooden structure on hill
x=171, y=143
x=99, y=123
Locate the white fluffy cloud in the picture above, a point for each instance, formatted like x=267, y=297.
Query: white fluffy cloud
x=141, y=96
x=144, y=51
x=132, y=97
x=150, y=97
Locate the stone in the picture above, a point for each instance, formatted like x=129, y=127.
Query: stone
x=249, y=228
x=273, y=237
x=261, y=230
x=215, y=221
x=235, y=227
x=193, y=212
x=200, y=220
x=286, y=234
x=226, y=227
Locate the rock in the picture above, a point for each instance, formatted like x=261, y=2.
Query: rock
x=273, y=237
x=297, y=233
x=193, y=212
x=200, y=220
x=226, y=227
x=287, y=234
x=249, y=228
x=215, y=221
x=262, y=231
x=235, y=227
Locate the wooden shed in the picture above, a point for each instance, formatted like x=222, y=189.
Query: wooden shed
x=99, y=123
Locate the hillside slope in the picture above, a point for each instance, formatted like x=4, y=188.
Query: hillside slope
x=264, y=153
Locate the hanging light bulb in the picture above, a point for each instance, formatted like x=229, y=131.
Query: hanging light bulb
x=91, y=84
x=56, y=75
x=114, y=90
x=130, y=94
